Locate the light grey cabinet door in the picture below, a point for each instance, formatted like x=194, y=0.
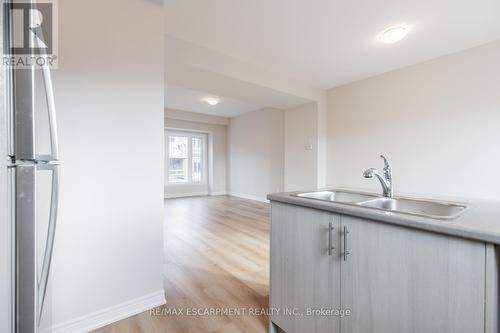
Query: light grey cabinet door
x=303, y=272
x=398, y=280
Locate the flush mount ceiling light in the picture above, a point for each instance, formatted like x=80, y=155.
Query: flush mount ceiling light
x=394, y=34
x=212, y=101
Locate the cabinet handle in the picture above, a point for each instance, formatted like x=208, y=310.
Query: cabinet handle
x=346, y=251
x=330, y=238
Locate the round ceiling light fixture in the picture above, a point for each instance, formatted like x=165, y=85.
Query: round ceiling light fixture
x=212, y=101
x=394, y=34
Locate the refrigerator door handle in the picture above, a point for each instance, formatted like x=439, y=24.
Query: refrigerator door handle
x=51, y=108
x=49, y=246
x=25, y=248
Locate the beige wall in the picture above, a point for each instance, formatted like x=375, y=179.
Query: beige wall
x=438, y=122
x=301, y=148
x=256, y=153
x=218, y=139
x=109, y=100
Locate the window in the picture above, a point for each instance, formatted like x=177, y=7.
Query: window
x=186, y=158
x=178, y=159
x=196, y=159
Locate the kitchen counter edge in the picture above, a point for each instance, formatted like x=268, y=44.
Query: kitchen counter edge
x=481, y=222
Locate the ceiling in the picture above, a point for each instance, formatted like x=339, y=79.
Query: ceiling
x=327, y=43
x=191, y=100
x=193, y=72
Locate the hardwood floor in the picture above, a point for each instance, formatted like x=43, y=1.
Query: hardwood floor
x=216, y=259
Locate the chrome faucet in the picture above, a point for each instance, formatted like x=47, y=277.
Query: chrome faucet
x=385, y=178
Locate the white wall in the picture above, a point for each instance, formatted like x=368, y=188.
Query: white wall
x=256, y=153
x=301, y=148
x=217, y=129
x=438, y=122
x=322, y=112
x=109, y=96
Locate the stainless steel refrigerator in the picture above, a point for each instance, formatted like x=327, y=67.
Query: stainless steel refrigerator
x=29, y=183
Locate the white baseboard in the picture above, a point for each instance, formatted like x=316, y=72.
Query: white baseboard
x=183, y=195
x=110, y=315
x=249, y=197
x=218, y=193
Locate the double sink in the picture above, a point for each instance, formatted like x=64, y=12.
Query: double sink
x=417, y=207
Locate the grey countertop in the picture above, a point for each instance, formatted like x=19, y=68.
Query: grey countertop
x=480, y=222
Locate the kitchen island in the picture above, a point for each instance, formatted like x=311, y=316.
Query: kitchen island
x=339, y=267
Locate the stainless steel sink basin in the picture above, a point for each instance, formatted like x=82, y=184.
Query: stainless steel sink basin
x=337, y=196
x=431, y=209
x=425, y=208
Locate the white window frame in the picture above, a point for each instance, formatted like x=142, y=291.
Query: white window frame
x=204, y=157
